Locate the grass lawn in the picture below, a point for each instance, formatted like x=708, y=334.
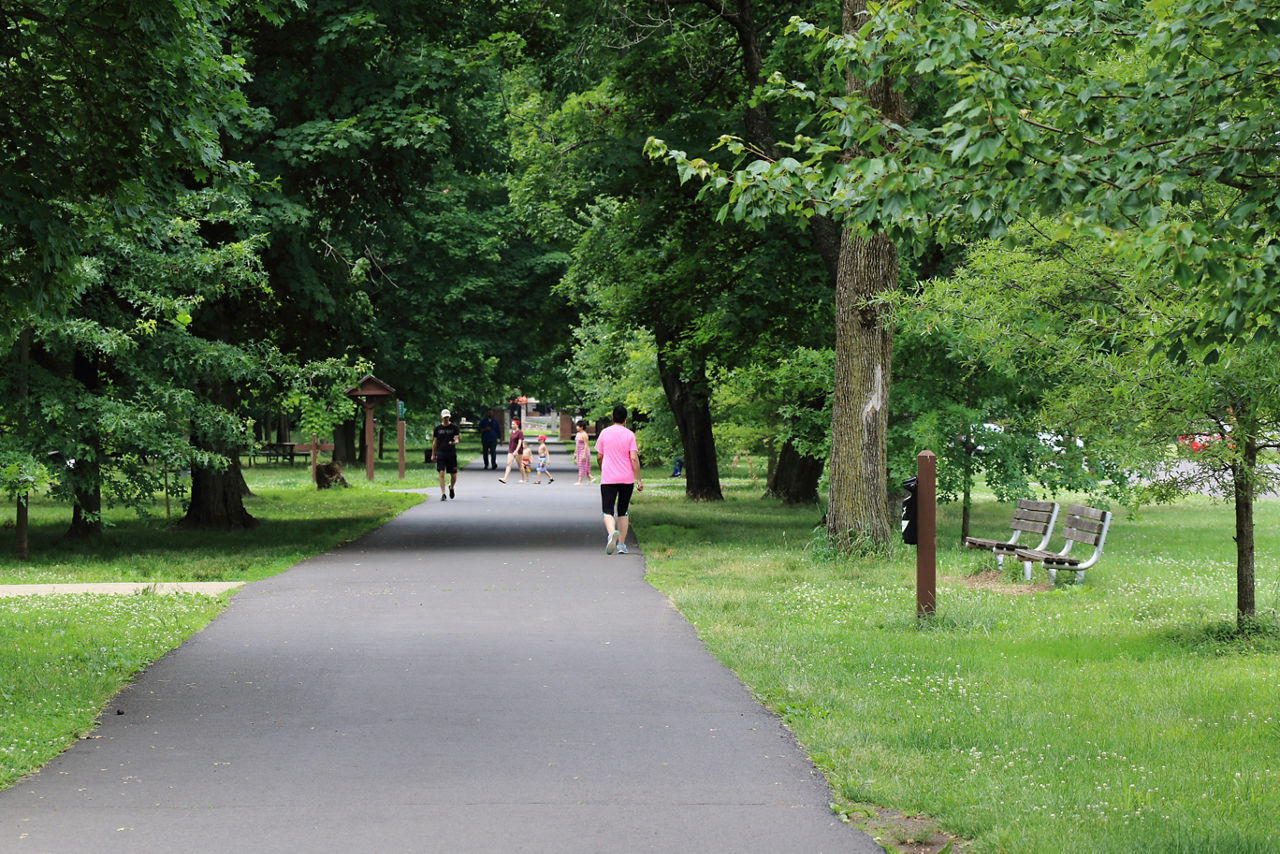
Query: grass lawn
x=1119, y=715
x=297, y=521
x=62, y=657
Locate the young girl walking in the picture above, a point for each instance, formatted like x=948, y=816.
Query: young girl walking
x=582, y=454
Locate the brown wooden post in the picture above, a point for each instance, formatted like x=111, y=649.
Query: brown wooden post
x=400, y=435
x=926, y=530
x=20, y=527
x=368, y=439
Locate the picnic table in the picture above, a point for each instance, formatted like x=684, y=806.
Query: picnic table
x=274, y=452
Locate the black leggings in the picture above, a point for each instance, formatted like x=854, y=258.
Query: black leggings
x=619, y=493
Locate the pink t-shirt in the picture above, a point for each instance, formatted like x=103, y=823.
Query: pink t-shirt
x=616, y=443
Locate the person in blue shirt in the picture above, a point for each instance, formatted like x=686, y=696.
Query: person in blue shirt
x=488, y=428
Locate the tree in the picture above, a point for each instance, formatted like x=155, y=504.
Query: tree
x=20, y=475
x=1151, y=124
x=112, y=118
x=581, y=152
x=867, y=268
x=391, y=231
x=614, y=364
x=1105, y=385
x=120, y=386
x=787, y=408
x=104, y=112
x=617, y=268
x=980, y=416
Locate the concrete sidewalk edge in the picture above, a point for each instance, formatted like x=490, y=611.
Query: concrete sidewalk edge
x=121, y=588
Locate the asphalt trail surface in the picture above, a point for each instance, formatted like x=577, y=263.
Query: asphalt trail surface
x=475, y=676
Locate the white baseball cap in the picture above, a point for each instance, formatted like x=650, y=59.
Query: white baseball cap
x=444, y=413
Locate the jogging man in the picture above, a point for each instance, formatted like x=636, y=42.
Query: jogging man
x=619, y=459
x=444, y=450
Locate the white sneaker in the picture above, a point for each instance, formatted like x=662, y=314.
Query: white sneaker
x=622, y=548
x=611, y=544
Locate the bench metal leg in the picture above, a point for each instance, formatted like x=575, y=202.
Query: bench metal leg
x=1053, y=574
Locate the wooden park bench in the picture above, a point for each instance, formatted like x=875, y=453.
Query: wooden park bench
x=1034, y=517
x=1086, y=525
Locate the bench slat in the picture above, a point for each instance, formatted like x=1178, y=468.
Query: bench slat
x=1037, y=506
x=1085, y=537
x=1031, y=527
x=1086, y=512
x=1032, y=516
x=1047, y=557
x=1088, y=525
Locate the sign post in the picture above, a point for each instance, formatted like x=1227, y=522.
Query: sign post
x=400, y=434
x=926, y=532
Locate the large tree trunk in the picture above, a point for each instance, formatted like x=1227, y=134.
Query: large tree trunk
x=24, y=414
x=795, y=478
x=690, y=402
x=217, y=496
x=344, y=443
x=1243, y=474
x=858, y=507
x=966, y=492
x=86, y=513
x=20, y=526
x=217, y=501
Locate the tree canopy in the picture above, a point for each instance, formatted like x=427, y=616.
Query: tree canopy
x=1148, y=125
x=93, y=139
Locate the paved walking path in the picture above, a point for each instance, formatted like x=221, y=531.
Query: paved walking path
x=475, y=676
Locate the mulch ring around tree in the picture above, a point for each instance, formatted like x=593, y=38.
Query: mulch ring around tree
x=904, y=834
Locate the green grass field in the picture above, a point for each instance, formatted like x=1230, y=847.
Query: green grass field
x=297, y=521
x=1119, y=715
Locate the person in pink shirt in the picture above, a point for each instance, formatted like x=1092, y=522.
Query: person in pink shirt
x=619, y=459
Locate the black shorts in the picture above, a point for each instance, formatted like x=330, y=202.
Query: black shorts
x=447, y=462
x=615, y=493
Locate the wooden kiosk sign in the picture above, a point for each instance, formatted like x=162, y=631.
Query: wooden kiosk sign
x=370, y=391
